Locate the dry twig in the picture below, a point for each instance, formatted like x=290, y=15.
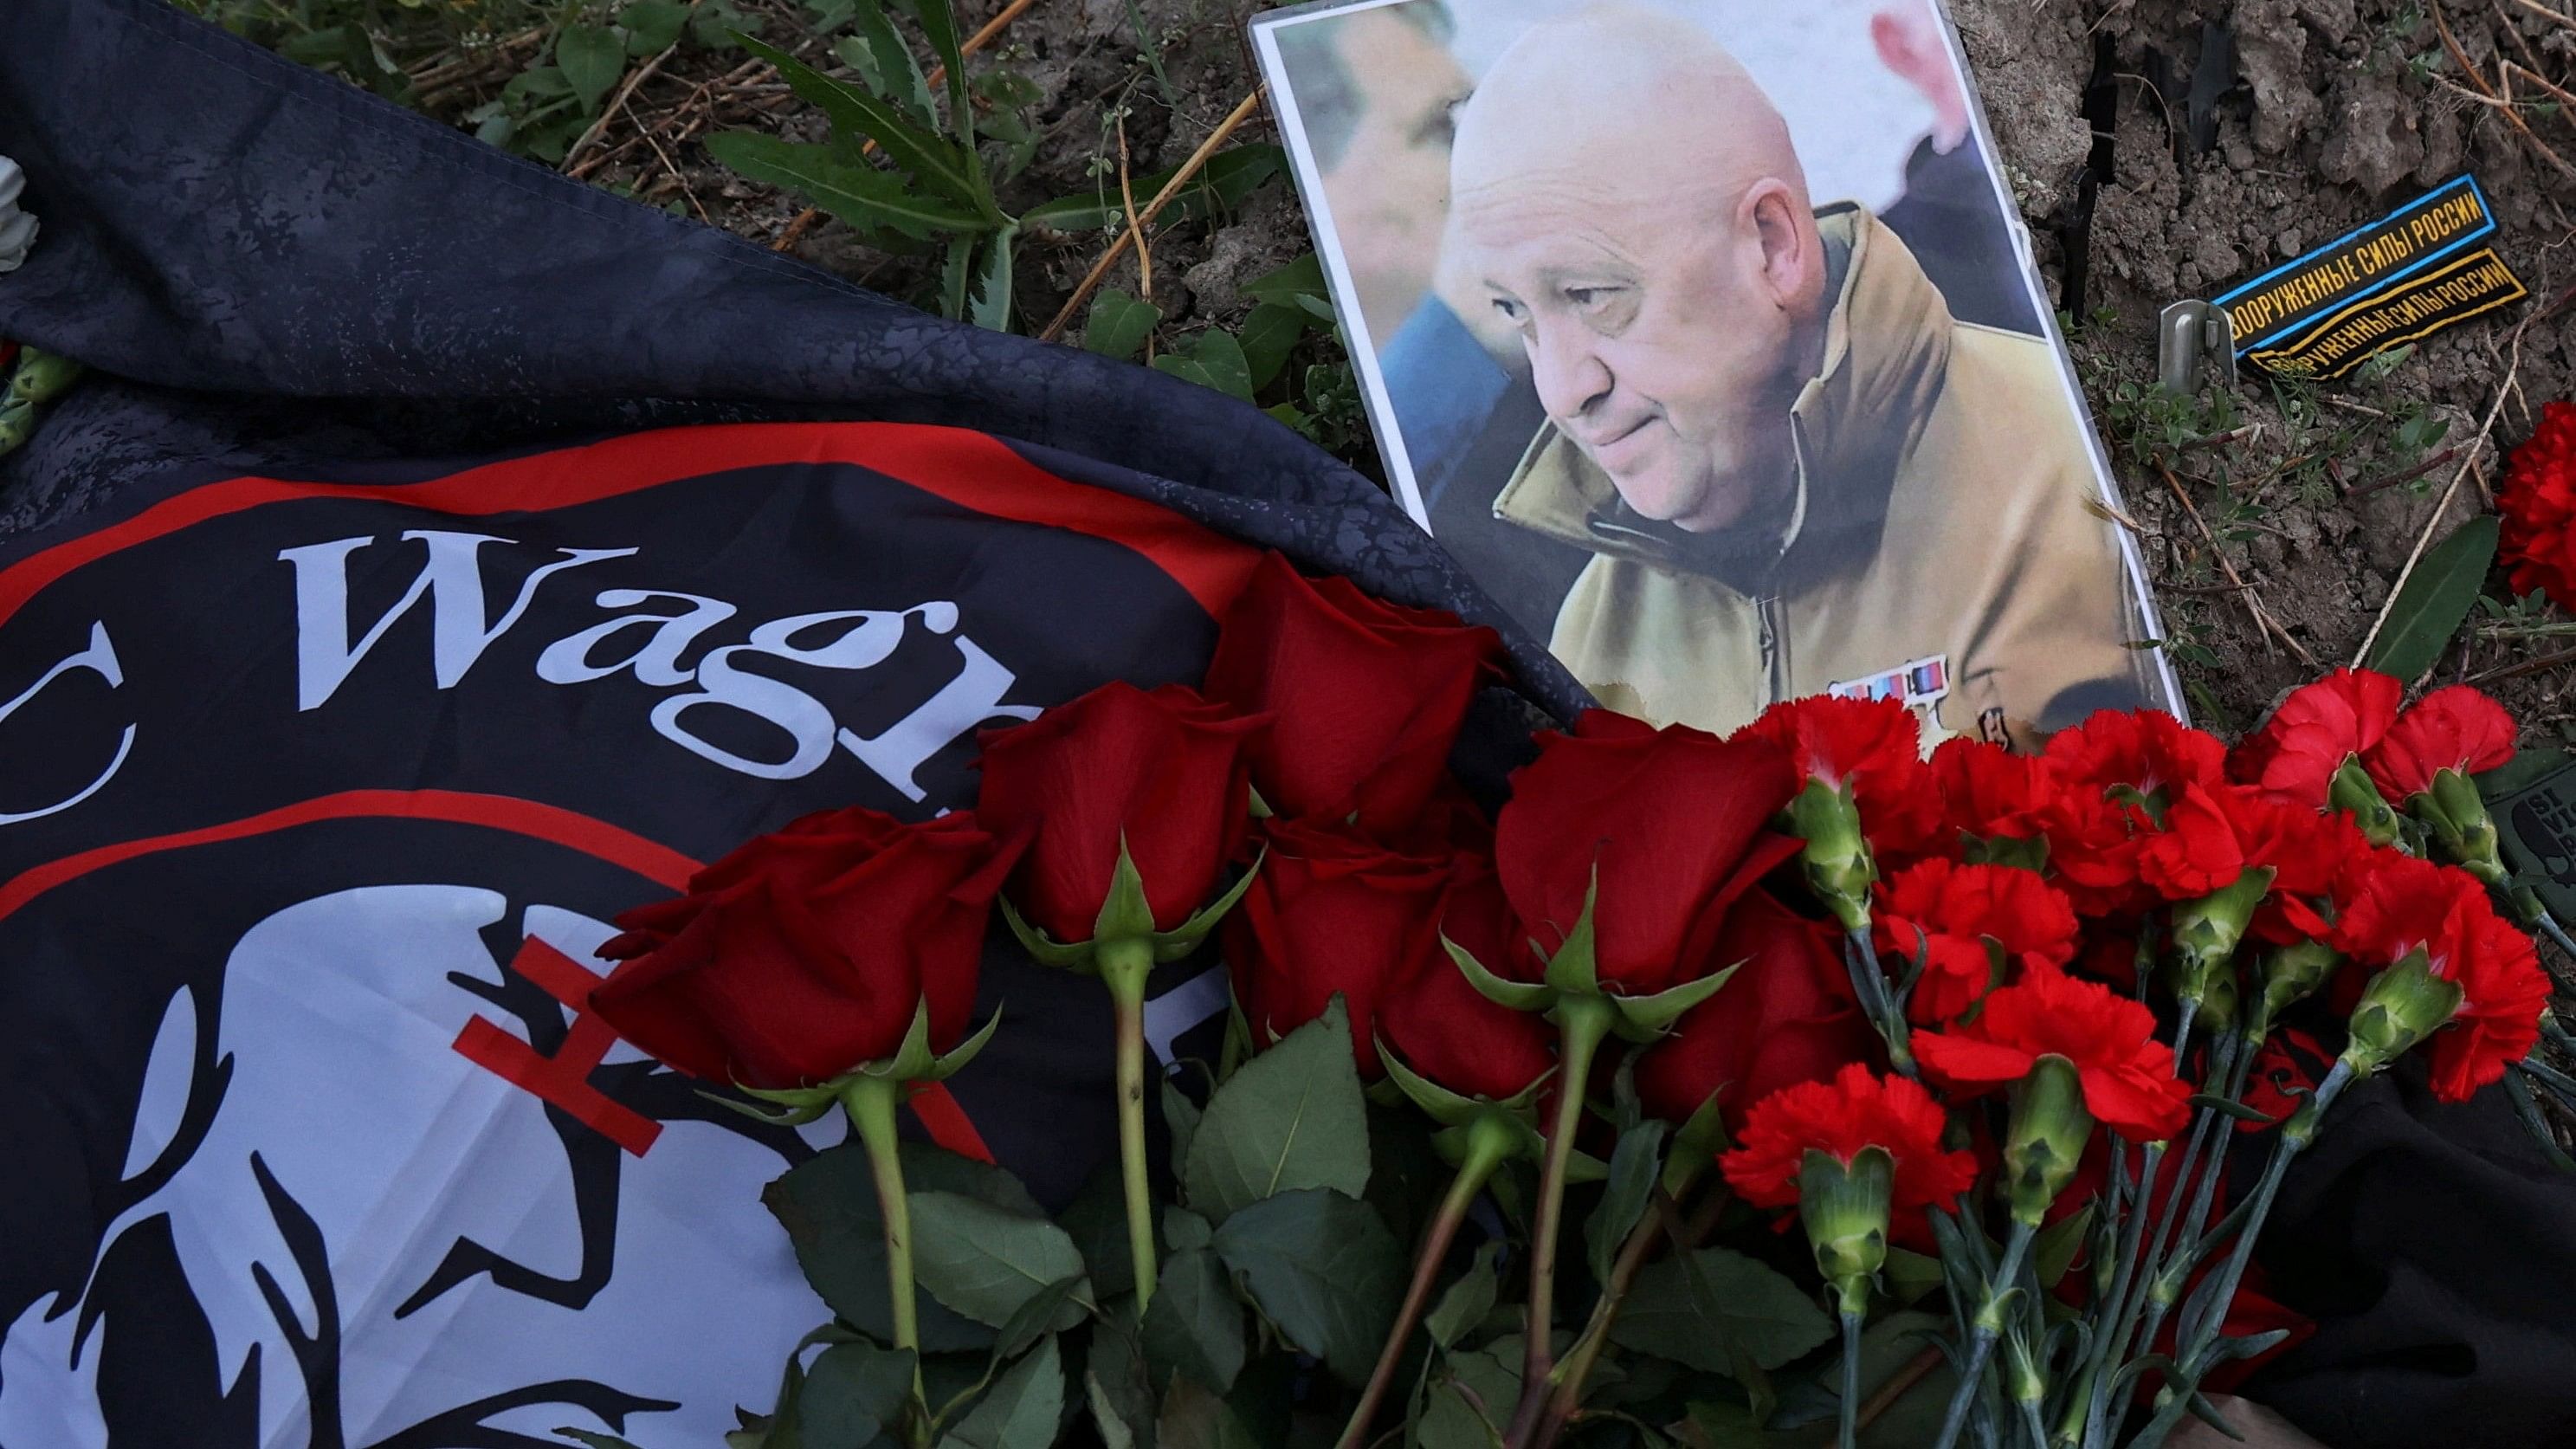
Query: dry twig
x=2488, y=96
x=2263, y=619
x=1189, y=171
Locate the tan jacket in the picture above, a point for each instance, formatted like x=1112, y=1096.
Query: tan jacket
x=1939, y=515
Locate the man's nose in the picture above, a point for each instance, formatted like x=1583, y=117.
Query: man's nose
x=1571, y=378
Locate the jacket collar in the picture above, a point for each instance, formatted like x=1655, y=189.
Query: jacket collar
x=1887, y=345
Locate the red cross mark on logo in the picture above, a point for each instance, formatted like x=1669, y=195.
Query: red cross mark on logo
x=564, y=1078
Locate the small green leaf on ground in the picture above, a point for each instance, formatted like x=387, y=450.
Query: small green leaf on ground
x=2435, y=601
x=591, y=57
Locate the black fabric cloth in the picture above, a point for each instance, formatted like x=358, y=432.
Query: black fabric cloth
x=276, y=274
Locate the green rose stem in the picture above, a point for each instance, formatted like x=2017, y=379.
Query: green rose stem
x=870, y=1102
x=1582, y=1023
x=1572, y=1370
x=1492, y=1139
x=1124, y=965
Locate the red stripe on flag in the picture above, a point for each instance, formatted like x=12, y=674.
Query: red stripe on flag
x=971, y=469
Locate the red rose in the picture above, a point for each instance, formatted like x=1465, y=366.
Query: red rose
x=1970, y=920
x=2453, y=728
x=1785, y=1016
x=1164, y=772
x=1329, y=912
x=1671, y=824
x=2112, y=771
x=2538, y=504
x=1839, y=1118
x=1989, y=792
x=2296, y=753
x=1441, y=1027
x=2403, y=905
x=805, y=953
x=2128, y=1076
x=1364, y=697
x=1873, y=744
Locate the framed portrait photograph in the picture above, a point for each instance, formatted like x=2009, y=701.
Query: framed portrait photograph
x=1705, y=334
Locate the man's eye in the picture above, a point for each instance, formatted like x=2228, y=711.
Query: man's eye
x=1510, y=310
x=1589, y=298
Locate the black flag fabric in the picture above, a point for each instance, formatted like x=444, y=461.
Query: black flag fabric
x=443, y=557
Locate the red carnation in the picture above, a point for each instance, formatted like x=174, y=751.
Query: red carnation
x=2128, y=1076
x=2113, y=771
x=1971, y=920
x=2295, y=754
x=1853, y=1111
x=2453, y=728
x=1875, y=745
x=1365, y=697
x=1989, y=792
x=2402, y=905
x=2213, y=834
x=2538, y=501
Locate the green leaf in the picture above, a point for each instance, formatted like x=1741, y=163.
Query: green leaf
x=2436, y=600
x=1303, y=277
x=1118, y=1380
x=828, y=1205
x=1035, y=1318
x=722, y=25
x=1634, y=1166
x=1184, y=1230
x=1187, y=369
x=1097, y=1218
x=1910, y=1275
x=1195, y=1418
x=1223, y=182
x=930, y=160
x=1767, y=1315
x=1222, y=358
x=955, y=274
x=1195, y=1325
x=591, y=58
x=1449, y=1422
x=1119, y=325
x=1465, y=1303
x=1292, y=1118
x=986, y=1262
x=1887, y=1348
x=1020, y=1411
x=859, y=194
x=853, y=1393
x=1114, y=1432
x=1180, y=1118
x=652, y=26
x=1324, y=1268
x=876, y=50
x=989, y=306
x=1267, y=336
x=939, y=22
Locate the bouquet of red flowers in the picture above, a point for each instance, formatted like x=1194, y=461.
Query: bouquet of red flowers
x=1983, y=1026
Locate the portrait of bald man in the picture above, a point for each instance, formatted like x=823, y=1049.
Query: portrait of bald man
x=1792, y=469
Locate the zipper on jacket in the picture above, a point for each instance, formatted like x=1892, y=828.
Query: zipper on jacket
x=1775, y=648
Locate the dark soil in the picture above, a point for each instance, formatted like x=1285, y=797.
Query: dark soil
x=2327, y=113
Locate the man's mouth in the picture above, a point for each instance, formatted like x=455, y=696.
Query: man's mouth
x=1615, y=449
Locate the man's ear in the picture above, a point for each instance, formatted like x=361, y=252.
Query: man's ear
x=1770, y=214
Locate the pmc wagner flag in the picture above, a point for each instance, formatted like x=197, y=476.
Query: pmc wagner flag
x=439, y=559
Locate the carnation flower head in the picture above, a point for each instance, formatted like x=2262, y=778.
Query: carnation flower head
x=2401, y=905
x=2454, y=728
x=2128, y=1076
x=1990, y=792
x=2295, y=754
x=2213, y=834
x=2538, y=503
x=2113, y=771
x=1970, y=921
x=1855, y=1110
x=1873, y=745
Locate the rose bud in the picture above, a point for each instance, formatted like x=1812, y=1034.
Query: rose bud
x=810, y=952
x=1624, y=845
x=1158, y=777
x=1785, y=1017
x=1329, y=913
x=1364, y=697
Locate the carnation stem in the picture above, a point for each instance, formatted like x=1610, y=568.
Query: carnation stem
x=870, y=1103
x=1491, y=1141
x=1848, y=1433
x=1124, y=965
x=1989, y=1326
x=1869, y=981
x=1582, y=1022
x=2186, y=1245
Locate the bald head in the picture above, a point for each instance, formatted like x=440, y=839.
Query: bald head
x=1630, y=200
